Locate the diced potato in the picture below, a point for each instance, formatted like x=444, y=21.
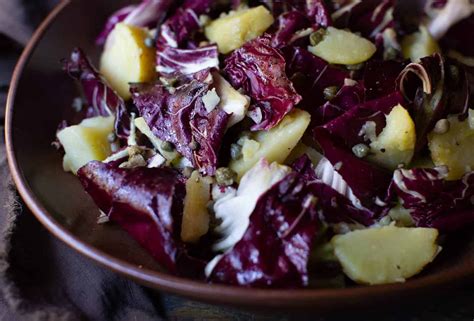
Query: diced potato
x=385, y=255
x=196, y=216
x=231, y=101
x=302, y=149
x=396, y=143
x=86, y=142
x=126, y=58
x=454, y=148
x=142, y=126
x=343, y=47
x=230, y=32
x=274, y=145
x=418, y=45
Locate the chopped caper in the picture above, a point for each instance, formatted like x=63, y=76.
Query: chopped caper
x=225, y=176
x=317, y=36
x=194, y=145
x=442, y=126
x=167, y=147
x=361, y=150
x=235, y=151
x=149, y=42
x=330, y=92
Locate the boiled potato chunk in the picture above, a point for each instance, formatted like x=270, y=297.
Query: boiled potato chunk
x=142, y=126
x=231, y=101
x=127, y=59
x=274, y=145
x=454, y=148
x=418, y=45
x=230, y=32
x=396, y=143
x=196, y=216
x=86, y=142
x=385, y=255
x=343, y=47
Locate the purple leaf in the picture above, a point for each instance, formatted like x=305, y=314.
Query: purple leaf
x=149, y=13
x=259, y=69
x=173, y=62
x=180, y=117
x=335, y=199
x=380, y=77
x=145, y=202
x=275, y=249
x=179, y=28
x=432, y=200
x=367, y=181
x=311, y=75
x=102, y=100
x=438, y=88
x=288, y=25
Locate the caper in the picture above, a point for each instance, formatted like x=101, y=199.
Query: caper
x=361, y=150
x=235, y=151
x=167, y=146
x=225, y=176
x=149, y=42
x=193, y=145
x=442, y=126
x=330, y=92
x=317, y=36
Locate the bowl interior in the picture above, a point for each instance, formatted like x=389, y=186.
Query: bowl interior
x=41, y=95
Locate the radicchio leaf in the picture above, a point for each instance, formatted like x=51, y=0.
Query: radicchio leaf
x=149, y=13
x=369, y=17
x=102, y=100
x=380, y=77
x=315, y=10
x=438, y=88
x=353, y=127
x=311, y=75
x=275, y=249
x=177, y=31
x=181, y=118
x=337, y=202
x=174, y=62
x=259, y=69
x=432, y=200
x=368, y=182
x=347, y=98
x=146, y=202
x=289, y=24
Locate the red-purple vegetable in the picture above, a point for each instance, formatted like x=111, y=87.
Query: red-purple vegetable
x=259, y=69
x=180, y=117
x=275, y=249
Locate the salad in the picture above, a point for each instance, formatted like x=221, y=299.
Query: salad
x=280, y=143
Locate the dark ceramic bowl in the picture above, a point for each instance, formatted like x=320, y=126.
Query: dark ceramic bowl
x=39, y=96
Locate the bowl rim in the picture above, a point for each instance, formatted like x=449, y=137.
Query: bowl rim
x=213, y=293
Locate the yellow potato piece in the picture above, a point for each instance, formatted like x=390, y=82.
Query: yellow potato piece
x=396, y=143
x=454, y=148
x=86, y=142
x=233, y=30
x=196, y=216
x=302, y=149
x=343, y=47
x=126, y=59
x=274, y=145
x=384, y=255
x=418, y=45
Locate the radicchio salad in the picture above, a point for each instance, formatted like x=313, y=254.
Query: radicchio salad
x=280, y=143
